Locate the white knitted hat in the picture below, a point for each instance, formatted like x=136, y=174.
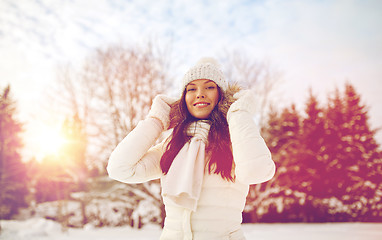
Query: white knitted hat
x=206, y=68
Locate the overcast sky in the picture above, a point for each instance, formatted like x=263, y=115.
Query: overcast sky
x=319, y=44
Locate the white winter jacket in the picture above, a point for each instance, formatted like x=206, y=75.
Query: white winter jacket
x=219, y=212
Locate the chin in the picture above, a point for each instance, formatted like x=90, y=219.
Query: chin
x=202, y=116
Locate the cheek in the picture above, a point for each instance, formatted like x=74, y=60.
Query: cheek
x=188, y=99
x=215, y=97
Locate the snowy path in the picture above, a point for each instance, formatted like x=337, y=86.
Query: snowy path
x=41, y=229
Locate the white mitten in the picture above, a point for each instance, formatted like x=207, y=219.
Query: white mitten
x=245, y=101
x=160, y=109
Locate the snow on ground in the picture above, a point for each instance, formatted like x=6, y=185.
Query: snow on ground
x=41, y=229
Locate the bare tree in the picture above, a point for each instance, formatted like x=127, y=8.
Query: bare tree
x=257, y=75
x=112, y=92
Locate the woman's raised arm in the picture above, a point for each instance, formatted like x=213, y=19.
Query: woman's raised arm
x=252, y=157
x=135, y=159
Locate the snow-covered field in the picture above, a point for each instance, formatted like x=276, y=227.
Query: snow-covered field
x=41, y=229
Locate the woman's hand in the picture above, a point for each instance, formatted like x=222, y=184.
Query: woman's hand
x=245, y=101
x=160, y=109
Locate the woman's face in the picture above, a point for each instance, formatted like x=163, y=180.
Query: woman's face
x=201, y=97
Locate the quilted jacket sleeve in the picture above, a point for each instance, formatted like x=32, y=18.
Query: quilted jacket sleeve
x=134, y=160
x=251, y=155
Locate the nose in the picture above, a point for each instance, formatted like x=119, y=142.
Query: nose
x=200, y=93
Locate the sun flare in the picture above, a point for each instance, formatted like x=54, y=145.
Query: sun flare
x=48, y=141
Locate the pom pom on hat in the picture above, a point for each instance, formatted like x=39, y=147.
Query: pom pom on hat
x=206, y=68
x=208, y=60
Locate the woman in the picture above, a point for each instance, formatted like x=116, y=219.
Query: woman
x=213, y=154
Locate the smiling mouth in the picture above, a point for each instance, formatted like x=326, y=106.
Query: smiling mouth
x=201, y=104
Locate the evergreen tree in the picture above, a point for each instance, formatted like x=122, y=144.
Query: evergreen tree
x=271, y=132
x=363, y=158
x=281, y=135
x=329, y=166
x=310, y=163
x=13, y=175
x=310, y=148
x=290, y=121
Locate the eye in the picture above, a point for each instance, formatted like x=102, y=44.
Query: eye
x=191, y=89
x=211, y=87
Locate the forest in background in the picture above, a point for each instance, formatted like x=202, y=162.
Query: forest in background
x=329, y=165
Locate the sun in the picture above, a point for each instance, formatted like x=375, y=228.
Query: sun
x=47, y=141
x=50, y=141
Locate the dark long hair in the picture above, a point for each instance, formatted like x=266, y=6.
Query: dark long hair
x=218, y=149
